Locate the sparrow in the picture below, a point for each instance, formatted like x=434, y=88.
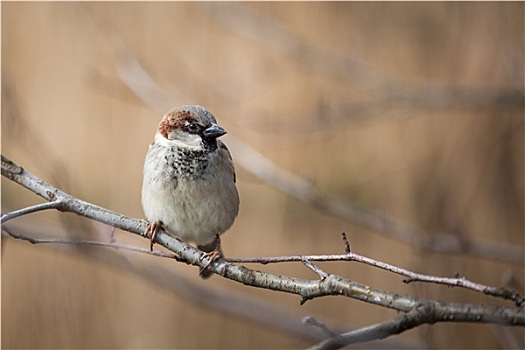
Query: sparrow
x=189, y=186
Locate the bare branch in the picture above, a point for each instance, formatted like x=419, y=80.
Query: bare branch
x=31, y=209
x=347, y=244
x=418, y=311
x=422, y=314
x=113, y=245
x=307, y=289
x=416, y=317
x=314, y=268
x=70, y=204
x=412, y=276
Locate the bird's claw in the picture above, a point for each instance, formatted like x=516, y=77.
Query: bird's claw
x=213, y=256
x=151, y=232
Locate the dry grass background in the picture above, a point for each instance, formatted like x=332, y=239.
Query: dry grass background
x=380, y=136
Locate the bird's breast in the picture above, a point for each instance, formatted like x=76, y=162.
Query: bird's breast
x=190, y=191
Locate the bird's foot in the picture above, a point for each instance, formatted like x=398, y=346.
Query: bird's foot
x=212, y=256
x=151, y=232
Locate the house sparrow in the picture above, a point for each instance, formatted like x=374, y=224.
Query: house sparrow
x=189, y=181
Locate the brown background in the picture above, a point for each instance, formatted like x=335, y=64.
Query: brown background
x=346, y=95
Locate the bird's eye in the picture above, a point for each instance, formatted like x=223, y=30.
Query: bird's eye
x=193, y=128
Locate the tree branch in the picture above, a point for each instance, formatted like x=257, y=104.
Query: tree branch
x=458, y=281
x=416, y=317
x=31, y=209
x=113, y=245
x=329, y=284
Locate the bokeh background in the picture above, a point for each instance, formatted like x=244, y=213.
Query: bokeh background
x=410, y=110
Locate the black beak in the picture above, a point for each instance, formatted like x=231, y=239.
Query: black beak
x=213, y=131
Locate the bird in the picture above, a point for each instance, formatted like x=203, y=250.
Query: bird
x=189, y=182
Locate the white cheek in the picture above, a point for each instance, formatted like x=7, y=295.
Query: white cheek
x=182, y=139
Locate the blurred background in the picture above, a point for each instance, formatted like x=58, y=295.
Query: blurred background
x=402, y=114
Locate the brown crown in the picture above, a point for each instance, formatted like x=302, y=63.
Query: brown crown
x=173, y=120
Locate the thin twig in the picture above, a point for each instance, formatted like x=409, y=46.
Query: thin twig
x=314, y=268
x=29, y=210
x=113, y=245
x=347, y=243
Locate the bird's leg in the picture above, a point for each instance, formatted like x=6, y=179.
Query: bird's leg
x=213, y=255
x=151, y=232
